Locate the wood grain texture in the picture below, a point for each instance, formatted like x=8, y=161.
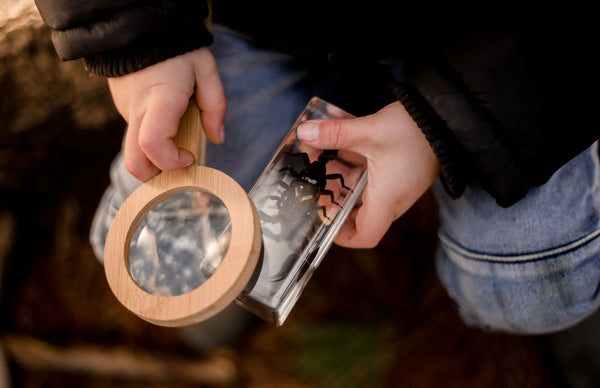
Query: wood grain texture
x=236, y=268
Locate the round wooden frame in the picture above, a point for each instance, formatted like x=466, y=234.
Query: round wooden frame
x=231, y=276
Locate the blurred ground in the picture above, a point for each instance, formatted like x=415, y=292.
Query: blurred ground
x=368, y=318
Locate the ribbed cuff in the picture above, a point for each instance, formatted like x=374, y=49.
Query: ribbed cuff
x=151, y=51
x=445, y=146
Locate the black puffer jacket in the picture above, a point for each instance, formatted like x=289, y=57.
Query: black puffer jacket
x=501, y=93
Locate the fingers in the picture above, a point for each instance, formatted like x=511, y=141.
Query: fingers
x=367, y=224
x=134, y=158
x=158, y=129
x=149, y=145
x=210, y=97
x=400, y=162
x=352, y=236
x=154, y=99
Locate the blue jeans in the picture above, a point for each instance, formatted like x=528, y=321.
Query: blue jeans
x=531, y=268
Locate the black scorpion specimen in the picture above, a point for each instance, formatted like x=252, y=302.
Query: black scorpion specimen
x=298, y=205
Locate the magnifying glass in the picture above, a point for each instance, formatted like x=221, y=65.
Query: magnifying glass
x=226, y=226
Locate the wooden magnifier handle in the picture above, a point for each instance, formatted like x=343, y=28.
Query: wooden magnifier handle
x=191, y=134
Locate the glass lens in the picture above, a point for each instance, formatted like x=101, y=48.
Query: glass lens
x=180, y=243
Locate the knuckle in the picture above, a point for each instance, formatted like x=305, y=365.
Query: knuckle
x=214, y=106
x=157, y=154
x=338, y=136
x=142, y=170
x=134, y=168
x=146, y=143
x=221, y=104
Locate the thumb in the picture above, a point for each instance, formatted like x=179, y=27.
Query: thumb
x=334, y=134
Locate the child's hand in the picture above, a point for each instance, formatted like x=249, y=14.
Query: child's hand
x=153, y=100
x=400, y=162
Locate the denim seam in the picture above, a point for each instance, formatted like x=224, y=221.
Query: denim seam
x=518, y=258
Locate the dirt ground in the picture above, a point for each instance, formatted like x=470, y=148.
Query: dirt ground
x=368, y=318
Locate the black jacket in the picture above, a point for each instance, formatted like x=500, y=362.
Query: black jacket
x=505, y=95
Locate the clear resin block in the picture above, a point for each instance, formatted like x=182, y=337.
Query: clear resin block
x=303, y=197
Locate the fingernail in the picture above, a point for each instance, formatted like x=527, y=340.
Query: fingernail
x=308, y=131
x=189, y=161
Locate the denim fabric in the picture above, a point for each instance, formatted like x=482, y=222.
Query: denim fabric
x=265, y=93
x=531, y=268
x=122, y=184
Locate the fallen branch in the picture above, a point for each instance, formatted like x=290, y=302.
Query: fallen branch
x=33, y=354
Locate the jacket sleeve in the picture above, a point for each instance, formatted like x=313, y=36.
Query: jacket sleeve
x=504, y=109
x=116, y=37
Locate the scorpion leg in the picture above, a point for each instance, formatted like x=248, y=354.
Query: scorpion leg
x=324, y=210
x=291, y=171
x=340, y=177
x=273, y=197
x=267, y=218
x=330, y=194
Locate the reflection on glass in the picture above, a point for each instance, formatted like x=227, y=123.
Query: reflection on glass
x=180, y=243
